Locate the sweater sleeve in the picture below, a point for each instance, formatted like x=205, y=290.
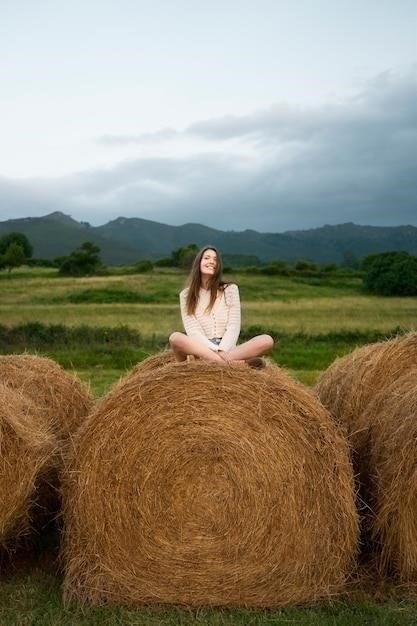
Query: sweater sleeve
x=191, y=325
x=231, y=335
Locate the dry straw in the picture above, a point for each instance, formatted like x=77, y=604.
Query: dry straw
x=393, y=467
x=26, y=448
x=42, y=405
x=350, y=383
x=361, y=390
x=203, y=484
x=63, y=398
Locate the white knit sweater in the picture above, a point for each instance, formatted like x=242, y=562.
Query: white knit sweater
x=222, y=321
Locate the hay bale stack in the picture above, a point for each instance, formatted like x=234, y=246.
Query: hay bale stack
x=64, y=399
x=203, y=484
x=393, y=467
x=350, y=383
x=27, y=445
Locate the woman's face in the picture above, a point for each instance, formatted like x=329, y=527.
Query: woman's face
x=208, y=263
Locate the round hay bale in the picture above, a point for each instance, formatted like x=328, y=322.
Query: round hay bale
x=61, y=402
x=347, y=389
x=208, y=485
x=26, y=447
x=350, y=383
x=64, y=399
x=393, y=467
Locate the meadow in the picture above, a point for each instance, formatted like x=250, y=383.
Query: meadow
x=313, y=320
x=99, y=327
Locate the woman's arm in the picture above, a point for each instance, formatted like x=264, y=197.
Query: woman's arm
x=232, y=299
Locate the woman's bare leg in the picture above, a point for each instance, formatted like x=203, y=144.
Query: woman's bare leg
x=257, y=346
x=182, y=345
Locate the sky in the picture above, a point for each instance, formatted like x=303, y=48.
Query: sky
x=271, y=115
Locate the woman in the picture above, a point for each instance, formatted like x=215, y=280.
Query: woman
x=210, y=311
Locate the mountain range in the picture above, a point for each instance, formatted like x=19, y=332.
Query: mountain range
x=127, y=240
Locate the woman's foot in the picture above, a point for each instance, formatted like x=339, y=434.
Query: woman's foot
x=256, y=362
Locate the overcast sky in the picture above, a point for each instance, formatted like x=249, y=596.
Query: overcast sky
x=266, y=114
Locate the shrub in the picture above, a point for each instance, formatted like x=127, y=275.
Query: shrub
x=274, y=268
x=143, y=266
x=83, y=261
x=391, y=274
x=303, y=266
x=164, y=262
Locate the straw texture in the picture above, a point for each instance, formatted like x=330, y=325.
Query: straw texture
x=393, y=467
x=203, y=484
x=371, y=393
x=350, y=383
x=26, y=448
x=41, y=407
x=63, y=398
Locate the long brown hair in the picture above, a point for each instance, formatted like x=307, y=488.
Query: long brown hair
x=216, y=282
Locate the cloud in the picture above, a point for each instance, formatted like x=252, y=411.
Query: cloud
x=273, y=170
x=162, y=135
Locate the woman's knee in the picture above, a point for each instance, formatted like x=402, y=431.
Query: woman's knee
x=267, y=342
x=175, y=339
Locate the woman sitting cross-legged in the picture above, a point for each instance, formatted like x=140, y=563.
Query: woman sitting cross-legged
x=210, y=311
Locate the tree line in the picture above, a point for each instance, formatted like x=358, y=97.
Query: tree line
x=386, y=273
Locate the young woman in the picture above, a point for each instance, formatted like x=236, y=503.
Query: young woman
x=210, y=311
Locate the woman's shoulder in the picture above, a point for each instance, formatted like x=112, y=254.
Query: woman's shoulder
x=183, y=293
x=230, y=287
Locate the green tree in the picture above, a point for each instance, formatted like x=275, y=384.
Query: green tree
x=83, y=261
x=13, y=257
x=391, y=273
x=184, y=256
x=277, y=267
x=20, y=239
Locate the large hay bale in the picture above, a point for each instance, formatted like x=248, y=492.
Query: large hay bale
x=203, y=484
x=64, y=399
x=393, y=468
x=57, y=402
x=27, y=445
x=348, y=388
x=350, y=383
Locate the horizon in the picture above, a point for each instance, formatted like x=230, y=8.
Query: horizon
x=121, y=217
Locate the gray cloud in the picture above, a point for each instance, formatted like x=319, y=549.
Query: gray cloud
x=298, y=168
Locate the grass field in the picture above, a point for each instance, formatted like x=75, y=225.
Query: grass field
x=315, y=321
x=278, y=303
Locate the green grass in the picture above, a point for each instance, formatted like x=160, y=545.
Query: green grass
x=96, y=350
x=149, y=303
x=35, y=599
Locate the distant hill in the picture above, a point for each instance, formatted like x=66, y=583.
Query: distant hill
x=126, y=240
